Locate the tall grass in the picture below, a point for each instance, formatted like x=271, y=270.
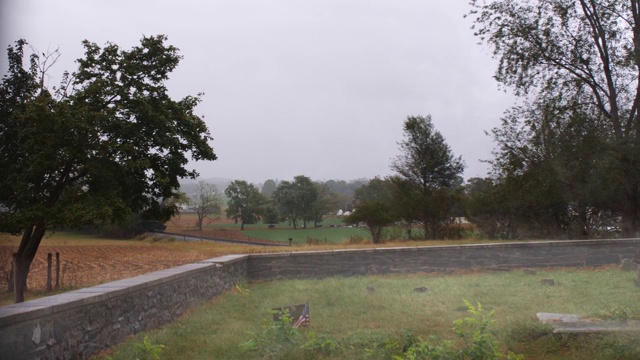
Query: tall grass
x=365, y=313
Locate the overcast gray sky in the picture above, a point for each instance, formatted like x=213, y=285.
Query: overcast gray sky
x=298, y=87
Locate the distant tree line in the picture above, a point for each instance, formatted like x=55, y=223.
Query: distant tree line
x=300, y=202
x=427, y=193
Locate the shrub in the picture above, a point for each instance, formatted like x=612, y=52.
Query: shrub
x=277, y=333
x=478, y=342
x=148, y=351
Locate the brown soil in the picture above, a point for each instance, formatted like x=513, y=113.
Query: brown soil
x=88, y=265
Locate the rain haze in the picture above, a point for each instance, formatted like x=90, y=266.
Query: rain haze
x=315, y=88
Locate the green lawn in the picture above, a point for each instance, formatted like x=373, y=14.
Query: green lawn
x=350, y=322
x=311, y=236
x=332, y=231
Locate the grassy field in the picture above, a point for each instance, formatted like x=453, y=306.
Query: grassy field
x=349, y=320
x=332, y=230
x=312, y=236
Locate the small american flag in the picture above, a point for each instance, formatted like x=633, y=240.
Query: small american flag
x=303, y=320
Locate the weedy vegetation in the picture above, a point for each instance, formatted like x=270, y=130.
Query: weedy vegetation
x=395, y=322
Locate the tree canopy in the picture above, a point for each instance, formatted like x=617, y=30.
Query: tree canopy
x=296, y=200
x=246, y=204
x=107, y=143
x=269, y=187
x=578, y=62
x=205, y=202
x=375, y=215
x=428, y=173
x=374, y=207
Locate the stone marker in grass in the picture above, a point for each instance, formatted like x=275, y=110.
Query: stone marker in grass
x=571, y=323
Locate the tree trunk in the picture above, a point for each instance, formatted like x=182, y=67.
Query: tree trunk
x=430, y=230
x=375, y=233
x=31, y=238
x=19, y=278
x=200, y=219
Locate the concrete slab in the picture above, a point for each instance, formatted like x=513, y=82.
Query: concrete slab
x=571, y=323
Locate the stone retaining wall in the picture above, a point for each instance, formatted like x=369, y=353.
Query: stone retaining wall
x=301, y=265
x=79, y=323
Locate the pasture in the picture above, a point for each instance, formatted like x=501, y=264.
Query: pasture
x=332, y=230
x=378, y=317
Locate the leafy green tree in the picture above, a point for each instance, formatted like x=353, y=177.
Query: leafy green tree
x=491, y=208
x=246, y=204
x=108, y=143
x=429, y=172
x=286, y=201
x=374, y=207
x=375, y=215
x=269, y=187
x=406, y=203
x=376, y=189
x=307, y=198
x=326, y=201
x=296, y=200
x=271, y=215
x=584, y=54
x=205, y=202
x=553, y=194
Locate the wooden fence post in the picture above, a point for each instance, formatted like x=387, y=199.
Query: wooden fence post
x=49, y=260
x=57, y=270
x=10, y=279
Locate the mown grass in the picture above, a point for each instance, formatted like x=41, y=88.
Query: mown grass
x=332, y=230
x=312, y=236
x=362, y=321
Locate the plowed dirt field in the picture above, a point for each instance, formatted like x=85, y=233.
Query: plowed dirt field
x=88, y=265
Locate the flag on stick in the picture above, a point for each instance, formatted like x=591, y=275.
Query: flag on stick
x=299, y=314
x=304, y=319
